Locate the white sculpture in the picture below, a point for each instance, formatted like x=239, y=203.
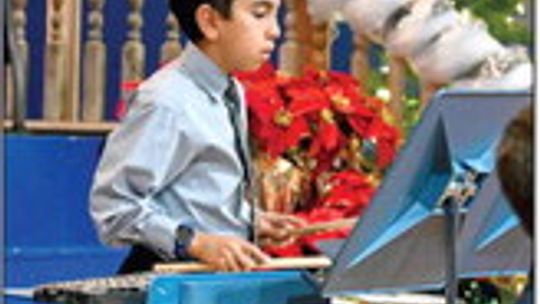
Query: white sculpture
x=457, y=49
x=442, y=45
x=372, y=16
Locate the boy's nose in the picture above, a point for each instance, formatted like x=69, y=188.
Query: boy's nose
x=274, y=31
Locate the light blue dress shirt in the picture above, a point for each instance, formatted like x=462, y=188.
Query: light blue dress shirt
x=172, y=160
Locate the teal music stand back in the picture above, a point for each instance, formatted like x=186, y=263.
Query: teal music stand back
x=399, y=243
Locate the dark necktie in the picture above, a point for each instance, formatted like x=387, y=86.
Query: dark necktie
x=232, y=101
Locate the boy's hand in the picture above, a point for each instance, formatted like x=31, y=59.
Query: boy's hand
x=277, y=228
x=226, y=253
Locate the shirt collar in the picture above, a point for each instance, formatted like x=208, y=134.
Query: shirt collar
x=206, y=74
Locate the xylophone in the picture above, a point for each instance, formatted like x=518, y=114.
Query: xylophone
x=290, y=287
x=133, y=289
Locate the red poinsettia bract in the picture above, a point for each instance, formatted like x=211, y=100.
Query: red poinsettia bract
x=312, y=118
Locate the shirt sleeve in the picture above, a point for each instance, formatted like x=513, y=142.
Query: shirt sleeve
x=141, y=157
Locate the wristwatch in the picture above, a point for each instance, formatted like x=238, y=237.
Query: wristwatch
x=183, y=238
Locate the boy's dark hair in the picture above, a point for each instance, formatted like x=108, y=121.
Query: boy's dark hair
x=514, y=166
x=184, y=10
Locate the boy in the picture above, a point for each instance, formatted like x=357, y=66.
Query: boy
x=173, y=175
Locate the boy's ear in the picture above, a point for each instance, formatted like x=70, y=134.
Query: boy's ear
x=208, y=20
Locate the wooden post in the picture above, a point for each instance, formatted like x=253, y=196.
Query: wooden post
x=171, y=48
x=95, y=72
x=295, y=51
x=72, y=14
x=396, y=85
x=62, y=61
x=19, y=19
x=360, y=60
x=55, y=63
x=322, y=38
x=133, y=52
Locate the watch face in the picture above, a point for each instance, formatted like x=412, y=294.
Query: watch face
x=184, y=234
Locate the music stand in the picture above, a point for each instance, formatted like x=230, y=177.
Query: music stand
x=492, y=242
x=404, y=241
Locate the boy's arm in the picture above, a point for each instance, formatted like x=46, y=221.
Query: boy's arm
x=140, y=158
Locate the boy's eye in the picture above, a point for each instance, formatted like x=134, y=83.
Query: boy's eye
x=260, y=11
x=259, y=14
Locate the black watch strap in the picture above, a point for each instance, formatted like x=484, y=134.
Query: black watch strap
x=183, y=239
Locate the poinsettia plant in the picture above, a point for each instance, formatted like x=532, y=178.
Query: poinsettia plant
x=324, y=125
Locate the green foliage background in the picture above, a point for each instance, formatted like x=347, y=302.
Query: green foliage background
x=495, y=14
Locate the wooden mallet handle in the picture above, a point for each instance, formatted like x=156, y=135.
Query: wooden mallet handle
x=325, y=226
x=274, y=264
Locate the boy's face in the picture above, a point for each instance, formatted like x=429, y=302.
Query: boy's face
x=247, y=38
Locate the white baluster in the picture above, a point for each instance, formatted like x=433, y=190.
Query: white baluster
x=95, y=71
x=172, y=47
x=133, y=52
x=322, y=38
x=396, y=85
x=360, y=60
x=55, y=64
x=19, y=20
x=294, y=52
